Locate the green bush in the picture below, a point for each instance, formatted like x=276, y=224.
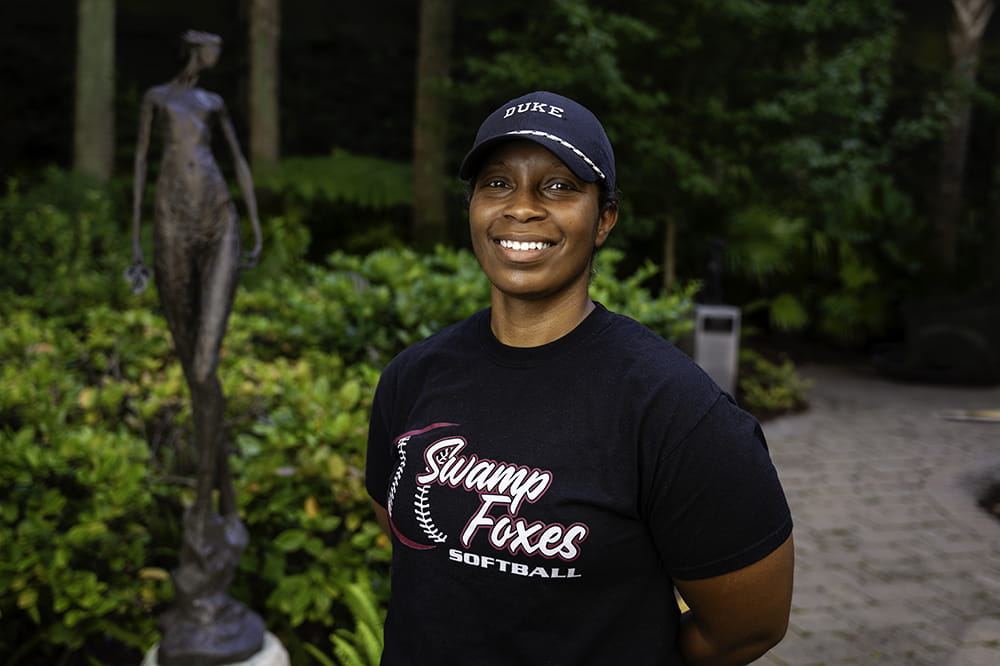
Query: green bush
x=77, y=511
x=668, y=315
x=769, y=388
x=369, y=307
x=64, y=243
x=95, y=465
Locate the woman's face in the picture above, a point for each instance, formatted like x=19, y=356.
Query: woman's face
x=534, y=224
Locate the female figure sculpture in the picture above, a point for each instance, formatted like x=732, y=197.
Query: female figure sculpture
x=197, y=260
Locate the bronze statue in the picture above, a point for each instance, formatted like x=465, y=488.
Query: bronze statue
x=197, y=261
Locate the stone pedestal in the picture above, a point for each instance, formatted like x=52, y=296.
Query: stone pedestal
x=272, y=653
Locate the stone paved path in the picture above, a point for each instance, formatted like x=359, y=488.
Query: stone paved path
x=896, y=564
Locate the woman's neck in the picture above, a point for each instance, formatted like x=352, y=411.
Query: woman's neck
x=518, y=323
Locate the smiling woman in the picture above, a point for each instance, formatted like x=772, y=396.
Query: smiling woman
x=535, y=226
x=546, y=452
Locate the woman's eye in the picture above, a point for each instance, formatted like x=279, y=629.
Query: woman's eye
x=563, y=186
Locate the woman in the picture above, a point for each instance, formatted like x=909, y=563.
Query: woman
x=550, y=471
x=196, y=263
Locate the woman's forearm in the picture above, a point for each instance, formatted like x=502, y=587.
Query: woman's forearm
x=698, y=648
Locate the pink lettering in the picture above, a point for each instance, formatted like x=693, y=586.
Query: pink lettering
x=515, y=535
x=446, y=467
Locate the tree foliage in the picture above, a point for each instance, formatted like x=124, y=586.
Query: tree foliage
x=768, y=128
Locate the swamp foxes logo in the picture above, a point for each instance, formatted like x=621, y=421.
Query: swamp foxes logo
x=501, y=492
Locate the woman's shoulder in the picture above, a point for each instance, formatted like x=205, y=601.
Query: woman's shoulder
x=649, y=359
x=633, y=339
x=449, y=340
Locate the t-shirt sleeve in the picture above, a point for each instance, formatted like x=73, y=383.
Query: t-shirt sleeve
x=378, y=463
x=717, y=504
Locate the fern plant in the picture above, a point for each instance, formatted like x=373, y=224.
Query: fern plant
x=367, y=181
x=363, y=645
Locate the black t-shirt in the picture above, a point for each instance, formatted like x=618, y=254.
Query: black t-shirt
x=543, y=499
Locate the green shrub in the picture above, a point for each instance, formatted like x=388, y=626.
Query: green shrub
x=64, y=244
x=95, y=460
x=768, y=388
x=668, y=315
x=75, y=502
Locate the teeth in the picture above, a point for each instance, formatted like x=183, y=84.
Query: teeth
x=518, y=245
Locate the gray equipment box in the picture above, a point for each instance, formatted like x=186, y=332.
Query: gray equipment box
x=716, y=343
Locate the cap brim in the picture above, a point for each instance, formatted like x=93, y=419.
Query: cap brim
x=582, y=170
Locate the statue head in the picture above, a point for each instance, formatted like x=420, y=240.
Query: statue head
x=202, y=48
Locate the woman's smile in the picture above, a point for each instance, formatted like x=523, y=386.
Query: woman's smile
x=523, y=251
x=524, y=246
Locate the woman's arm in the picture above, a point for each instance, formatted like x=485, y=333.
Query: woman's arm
x=382, y=516
x=737, y=617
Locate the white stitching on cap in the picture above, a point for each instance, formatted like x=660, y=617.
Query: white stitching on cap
x=577, y=151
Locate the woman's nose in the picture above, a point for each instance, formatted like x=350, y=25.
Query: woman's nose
x=524, y=205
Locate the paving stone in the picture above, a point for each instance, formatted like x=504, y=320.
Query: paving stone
x=903, y=643
x=975, y=656
x=985, y=631
x=825, y=648
x=891, y=614
x=808, y=622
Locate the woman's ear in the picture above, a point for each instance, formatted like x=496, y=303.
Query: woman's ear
x=605, y=223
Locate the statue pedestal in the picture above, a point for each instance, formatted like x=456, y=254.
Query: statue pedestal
x=272, y=653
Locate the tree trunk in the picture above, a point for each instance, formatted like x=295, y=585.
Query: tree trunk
x=965, y=37
x=430, y=123
x=264, y=38
x=94, y=112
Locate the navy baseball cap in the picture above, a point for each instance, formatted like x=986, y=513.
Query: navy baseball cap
x=566, y=128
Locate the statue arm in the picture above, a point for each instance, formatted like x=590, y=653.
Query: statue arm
x=245, y=180
x=137, y=274
x=139, y=181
